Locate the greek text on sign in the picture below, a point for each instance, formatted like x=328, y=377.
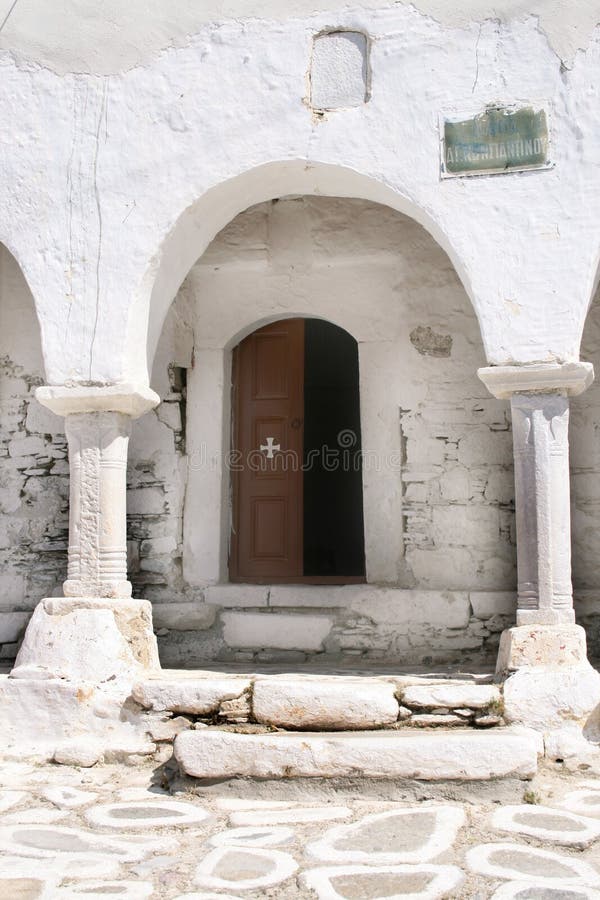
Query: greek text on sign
x=500, y=139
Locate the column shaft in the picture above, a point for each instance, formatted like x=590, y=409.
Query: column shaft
x=98, y=444
x=541, y=451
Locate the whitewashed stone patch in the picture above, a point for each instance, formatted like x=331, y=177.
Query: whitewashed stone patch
x=523, y=890
x=145, y=814
x=50, y=841
x=8, y=799
x=324, y=704
x=584, y=802
x=244, y=868
x=393, y=837
x=198, y=696
x=253, y=836
x=547, y=824
x=235, y=804
x=295, y=816
x=24, y=888
x=39, y=815
x=514, y=862
x=205, y=896
x=84, y=753
x=405, y=753
x=68, y=797
x=424, y=882
x=436, y=720
x=475, y=696
x=63, y=867
x=97, y=890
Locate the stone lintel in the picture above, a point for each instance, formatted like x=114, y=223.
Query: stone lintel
x=129, y=399
x=569, y=379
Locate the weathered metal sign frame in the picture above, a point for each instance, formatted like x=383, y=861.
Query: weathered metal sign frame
x=517, y=135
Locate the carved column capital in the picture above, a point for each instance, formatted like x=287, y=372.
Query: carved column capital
x=131, y=400
x=568, y=379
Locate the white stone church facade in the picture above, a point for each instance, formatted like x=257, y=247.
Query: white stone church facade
x=164, y=201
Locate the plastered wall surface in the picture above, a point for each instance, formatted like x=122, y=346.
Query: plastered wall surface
x=117, y=36
x=115, y=183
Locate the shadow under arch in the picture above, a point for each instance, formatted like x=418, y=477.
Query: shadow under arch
x=13, y=261
x=200, y=222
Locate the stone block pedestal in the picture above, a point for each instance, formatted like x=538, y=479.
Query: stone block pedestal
x=541, y=645
x=89, y=639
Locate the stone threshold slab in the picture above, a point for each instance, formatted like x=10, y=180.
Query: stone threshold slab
x=442, y=755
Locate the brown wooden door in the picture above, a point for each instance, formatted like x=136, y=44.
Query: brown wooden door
x=268, y=410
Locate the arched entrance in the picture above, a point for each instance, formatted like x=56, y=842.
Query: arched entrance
x=297, y=481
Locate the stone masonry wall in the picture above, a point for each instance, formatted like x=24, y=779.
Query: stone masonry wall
x=34, y=483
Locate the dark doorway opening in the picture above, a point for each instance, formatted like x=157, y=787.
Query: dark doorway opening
x=297, y=482
x=333, y=512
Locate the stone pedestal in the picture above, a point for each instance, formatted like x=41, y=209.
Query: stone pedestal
x=88, y=639
x=541, y=645
x=96, y=632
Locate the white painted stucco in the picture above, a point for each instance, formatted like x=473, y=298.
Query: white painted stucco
x=114, y=36
x=115, y=184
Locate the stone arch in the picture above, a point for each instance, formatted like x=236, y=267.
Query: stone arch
x=197, y=225
x=232, y=298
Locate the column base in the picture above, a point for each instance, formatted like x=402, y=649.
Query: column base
x=556, y=645
x=88, y=639
x=551, y=687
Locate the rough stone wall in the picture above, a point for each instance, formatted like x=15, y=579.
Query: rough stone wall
x=157, y=471
x=34, y=483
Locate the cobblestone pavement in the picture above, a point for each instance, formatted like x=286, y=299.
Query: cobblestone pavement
x=126, y=832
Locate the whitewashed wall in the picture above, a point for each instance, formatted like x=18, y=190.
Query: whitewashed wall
x=114, y=183
x=118, y=170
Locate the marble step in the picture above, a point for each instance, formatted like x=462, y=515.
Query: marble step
x=440, y=755
x=300, y=701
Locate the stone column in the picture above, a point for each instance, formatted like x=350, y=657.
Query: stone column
x=97, y=519
x=96, y=631
x=539, y=396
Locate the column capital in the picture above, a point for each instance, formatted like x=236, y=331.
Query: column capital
x=129, y=399
x=568, y=379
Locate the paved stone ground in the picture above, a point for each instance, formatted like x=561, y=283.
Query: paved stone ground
x=136, y=832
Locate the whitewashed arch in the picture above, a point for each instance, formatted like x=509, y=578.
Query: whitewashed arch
x=199, y=223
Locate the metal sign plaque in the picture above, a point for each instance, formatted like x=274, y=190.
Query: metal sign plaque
x=500, y=139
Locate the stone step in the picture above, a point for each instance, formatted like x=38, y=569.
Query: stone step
x=457, y=755
x=306, y=702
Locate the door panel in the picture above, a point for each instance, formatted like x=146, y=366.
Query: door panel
x=268, y=378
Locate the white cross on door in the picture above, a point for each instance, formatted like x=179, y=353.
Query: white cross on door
x=269, y=447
